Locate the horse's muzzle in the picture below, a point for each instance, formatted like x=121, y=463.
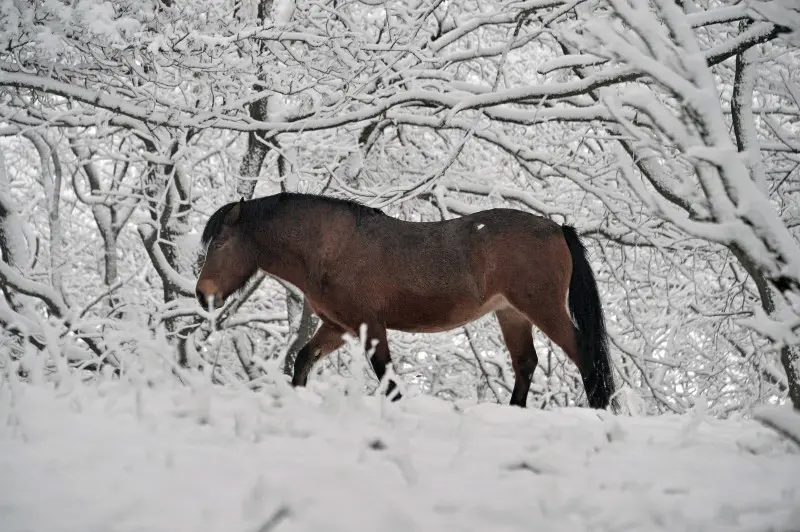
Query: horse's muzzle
x=204, y=292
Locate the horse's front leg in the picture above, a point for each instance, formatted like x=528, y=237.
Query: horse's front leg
x=376, y=334
x=327, y=339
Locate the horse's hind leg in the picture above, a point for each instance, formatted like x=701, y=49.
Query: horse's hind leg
x=327, y=339
x=557, y=325
x=376, y=334
x=518, y=336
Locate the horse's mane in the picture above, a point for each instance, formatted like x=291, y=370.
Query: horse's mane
x=259, y=208
x=214, y=223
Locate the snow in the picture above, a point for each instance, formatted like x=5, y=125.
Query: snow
x=785, y=13
x=785, y=420
x=284, y=9
x=117, y=457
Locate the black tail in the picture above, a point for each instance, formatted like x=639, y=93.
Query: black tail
x=586, y=310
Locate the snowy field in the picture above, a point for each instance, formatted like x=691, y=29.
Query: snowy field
x=110, y=457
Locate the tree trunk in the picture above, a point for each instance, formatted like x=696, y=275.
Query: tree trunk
x=171, y=222
x=744, y=129
x=302, y=321
x=790, y=355
x=51, y=183
x=297, y=309
x=15, y=252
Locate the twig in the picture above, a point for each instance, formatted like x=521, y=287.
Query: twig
x=280, y=515
x=782, y=420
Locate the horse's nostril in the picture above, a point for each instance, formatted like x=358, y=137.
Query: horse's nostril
x=201, y=298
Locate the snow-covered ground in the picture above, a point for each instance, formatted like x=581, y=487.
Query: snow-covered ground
x=112, y=457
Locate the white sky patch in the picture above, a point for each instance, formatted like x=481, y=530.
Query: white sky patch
x=480, y=226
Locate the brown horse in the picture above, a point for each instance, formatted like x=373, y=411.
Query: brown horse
x=357, y=265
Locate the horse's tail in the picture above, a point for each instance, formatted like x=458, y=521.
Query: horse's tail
x=586, y=310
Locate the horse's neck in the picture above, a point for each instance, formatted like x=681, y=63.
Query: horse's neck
x=288, y=247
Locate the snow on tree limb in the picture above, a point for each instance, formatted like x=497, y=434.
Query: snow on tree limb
x=168, y=274
x=783, y=420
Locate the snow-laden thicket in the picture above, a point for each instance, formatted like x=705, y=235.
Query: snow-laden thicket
x=668, y=135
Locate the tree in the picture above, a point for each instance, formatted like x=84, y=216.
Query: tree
x=665, y=131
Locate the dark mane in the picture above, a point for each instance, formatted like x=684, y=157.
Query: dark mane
x=259, y=208
x=214, y=223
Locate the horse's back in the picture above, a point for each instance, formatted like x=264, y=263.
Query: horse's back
x=452, y=254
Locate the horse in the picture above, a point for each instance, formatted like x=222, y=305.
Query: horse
x=357, y=265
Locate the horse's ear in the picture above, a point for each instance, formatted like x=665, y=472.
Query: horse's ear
x=235, y=213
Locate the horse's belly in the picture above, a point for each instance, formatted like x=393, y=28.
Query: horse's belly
x=440, y=315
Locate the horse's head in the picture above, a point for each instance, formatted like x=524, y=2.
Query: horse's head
x=231, y=256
